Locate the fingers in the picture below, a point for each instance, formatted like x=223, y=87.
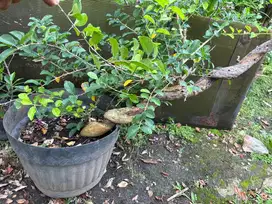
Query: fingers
x=51, y=2
x=4, y=4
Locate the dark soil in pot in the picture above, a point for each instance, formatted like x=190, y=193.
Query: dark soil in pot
x=54, y=133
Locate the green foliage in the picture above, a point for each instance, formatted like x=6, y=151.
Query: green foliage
x=262, y=157
x=180, y=131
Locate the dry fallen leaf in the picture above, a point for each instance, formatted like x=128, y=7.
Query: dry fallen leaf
x=70, y=143
x=164, y=174
x=265, y=122
x=124, y=159
x=2, y=185
x=8, y=170
x=159, y=198
x=21, y=201
x=109, y=183
x=44, y=131
x=57, y=79
x=197, y=129
x=19, y=188
x=8, y=201
x=122, y=184
x=149, y=161
x=36, y=144
x=2, y=196
x=150, y=193
x=264, y=196
x=135, y=198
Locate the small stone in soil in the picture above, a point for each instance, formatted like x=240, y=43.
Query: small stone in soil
x=96, y=129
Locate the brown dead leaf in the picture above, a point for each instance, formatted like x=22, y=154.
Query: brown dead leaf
x=21, y=201
x=2, y=196
x=197, y=129
x=19, y=188
x=164, y=174
x=44, y=131
x=135, y=198
x=149, y=161
x=3, y=185
x=264, y=196
x=70, y=143
x=109, y=183
x=159, y=198
x=122, y=184
x=36, y=144
x=252, y=193
x=265, y=122
x=8, y=170
x=150, y=193
x=9, y=201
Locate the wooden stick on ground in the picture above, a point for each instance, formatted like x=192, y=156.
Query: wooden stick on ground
x=178, y=194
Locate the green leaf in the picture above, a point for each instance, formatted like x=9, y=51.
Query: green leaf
x=26, y=37
x=25, y=100
x=77, y=7
x=31, y=112
x=114, y=47
x=156, y=101
x=96, y=38
x=72, y=132
x=124, y=52
x=6, y=53
x=149, y=18
x=96, y=61
x=58, y=103
x=205, y=5
x=145, y=95
x=248, y=28
x=253, y=35
x=163, y=3
x=146, y=129
x=92, y=75
x=150, y=114
x=145, y=91
x=8, y=40
x=32, y=81
x=133, y=98
x=56, y=112
x=17, y=34
x=44, y=101
x=81, y=19
x=147, y=44
x=69, y=87
x=163, y=31
x=136, y=45
x=132, y=131
x=179, y=12
x=71, y=125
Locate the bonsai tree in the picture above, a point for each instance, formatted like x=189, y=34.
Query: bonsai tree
x=149, y=64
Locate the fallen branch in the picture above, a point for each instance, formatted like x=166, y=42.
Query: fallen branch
x=178, y=194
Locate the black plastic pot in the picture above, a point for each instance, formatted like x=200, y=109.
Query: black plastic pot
x=60, y=172
x=3, y=135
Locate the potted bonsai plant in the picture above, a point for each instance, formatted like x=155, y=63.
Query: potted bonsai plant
x=63, y=137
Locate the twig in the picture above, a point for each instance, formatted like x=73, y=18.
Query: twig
x=178, y=194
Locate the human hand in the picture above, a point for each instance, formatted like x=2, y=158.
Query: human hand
x=4, y=4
